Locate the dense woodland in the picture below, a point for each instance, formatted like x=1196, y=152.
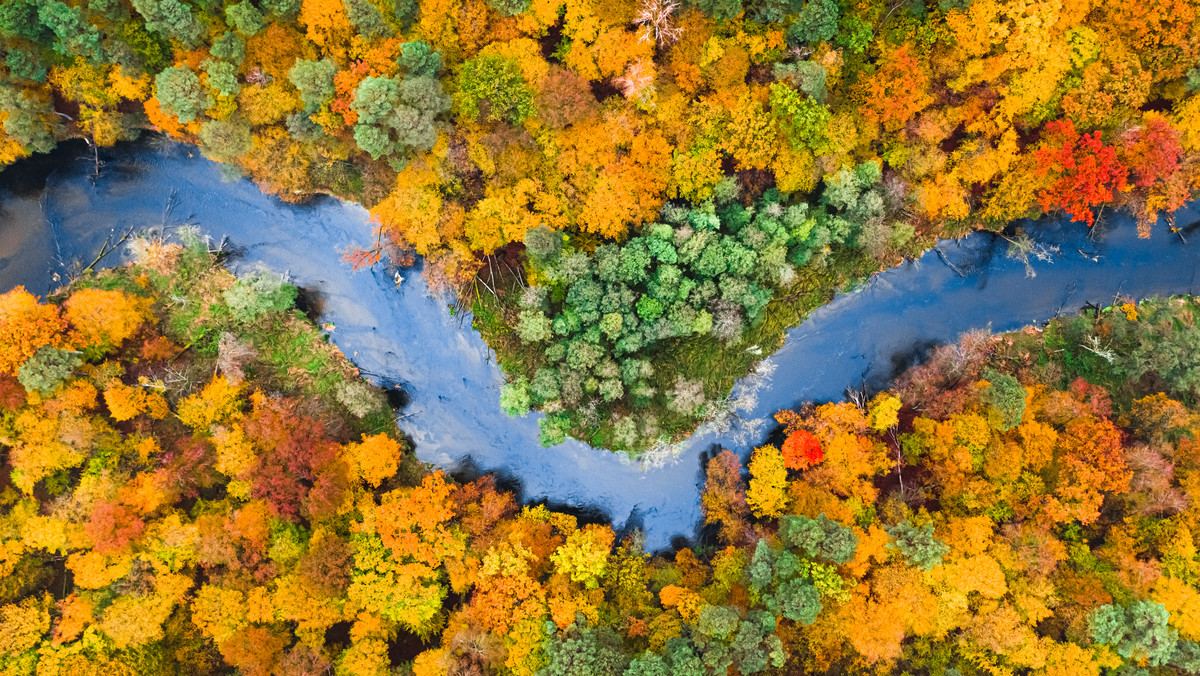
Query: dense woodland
x=194, y=481
x=637, y=197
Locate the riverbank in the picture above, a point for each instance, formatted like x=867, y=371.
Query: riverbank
x=450, y=379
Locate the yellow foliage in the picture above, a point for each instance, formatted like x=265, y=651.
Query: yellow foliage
x=584, y=556
x=218, y=402
x=768, y=483
x=103, y=318
x=129, y=86
x=133, y=621
x=23, y=625
x=124, y=401
x=411, y=210
x=93, y=570
x=1183, y=602
x=883, y=412
x=25, y=325
x=375, y=459
x=235, y=453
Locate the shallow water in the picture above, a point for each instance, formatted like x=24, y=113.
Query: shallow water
x=53, y=213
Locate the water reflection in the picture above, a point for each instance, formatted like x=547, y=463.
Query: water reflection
x=445, y=378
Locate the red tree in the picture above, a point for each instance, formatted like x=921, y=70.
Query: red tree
x=1085, y=171
x=801, y=450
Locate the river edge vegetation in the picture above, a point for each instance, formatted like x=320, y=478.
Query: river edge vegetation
x=675, y=181
x=195, y=482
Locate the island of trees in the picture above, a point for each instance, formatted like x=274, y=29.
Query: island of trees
x=636, y=198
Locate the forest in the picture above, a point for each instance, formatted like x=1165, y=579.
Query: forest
x=636, y=199
x=195, y=481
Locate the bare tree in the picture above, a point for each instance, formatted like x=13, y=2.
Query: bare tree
x=657, y=21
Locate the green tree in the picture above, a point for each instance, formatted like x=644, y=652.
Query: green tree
x=226, y=140
x=171, y=18
x=30, y=121
x=180, y=93
x=917, y=544
x=1138, y=631
x=1005, y=394
x=495, y=81
x=47, y=369
x=245, y=18
x=314, y=79
x=816, y=22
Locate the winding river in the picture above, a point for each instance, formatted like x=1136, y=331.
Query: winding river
x=52, y=213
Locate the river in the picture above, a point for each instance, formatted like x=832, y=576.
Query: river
x=52, y=212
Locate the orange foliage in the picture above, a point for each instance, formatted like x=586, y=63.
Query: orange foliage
x=26, y=325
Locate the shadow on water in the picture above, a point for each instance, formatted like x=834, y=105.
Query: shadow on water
x=51, y=212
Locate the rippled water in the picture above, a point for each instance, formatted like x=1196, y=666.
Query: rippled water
x=52, y=213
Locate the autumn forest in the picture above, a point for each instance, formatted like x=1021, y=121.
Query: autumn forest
x=632, y=202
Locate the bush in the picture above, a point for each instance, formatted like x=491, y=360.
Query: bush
x=259, y=293
x=47, y=369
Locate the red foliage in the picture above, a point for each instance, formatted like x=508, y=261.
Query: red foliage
x=158, y=348
x=360, y=258
x=723, y=499
x=112, y=526
x=482, y=506
x=1152, y=152
x=802, y=450
x=326, y=565
x=295, y=456
x=188, y=466
x=12, y=393
x=1085, y=171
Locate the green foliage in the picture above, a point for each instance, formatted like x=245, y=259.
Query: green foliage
x=816, y=22
x=1005, y=394
x=226, y=140
x=30, y=121
x=495, y=83
x=807, y=76
x=509, y=7
x=25, y=65
x=180, y=93
x=47, y=369
x=514, y=398
x=854, y=34
x=153, y=50
x=222, y=77
x=245, y=18
x=820, y=538
x=803, y=120
x=798, y=601
x=721, y=10
x=75, y=36
x=1138, y=631
x=418, y=59
x=19, y=19
x=917, y=544
x=314, y=79
x=257, y=293
x=172, y=19
x=281, y=9
x=367, y=19
x=584, y=652
x=229, y=46
x=396, y=117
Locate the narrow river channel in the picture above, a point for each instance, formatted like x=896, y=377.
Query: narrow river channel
x=52, y=212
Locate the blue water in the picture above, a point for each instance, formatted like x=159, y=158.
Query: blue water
x=52, y=212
